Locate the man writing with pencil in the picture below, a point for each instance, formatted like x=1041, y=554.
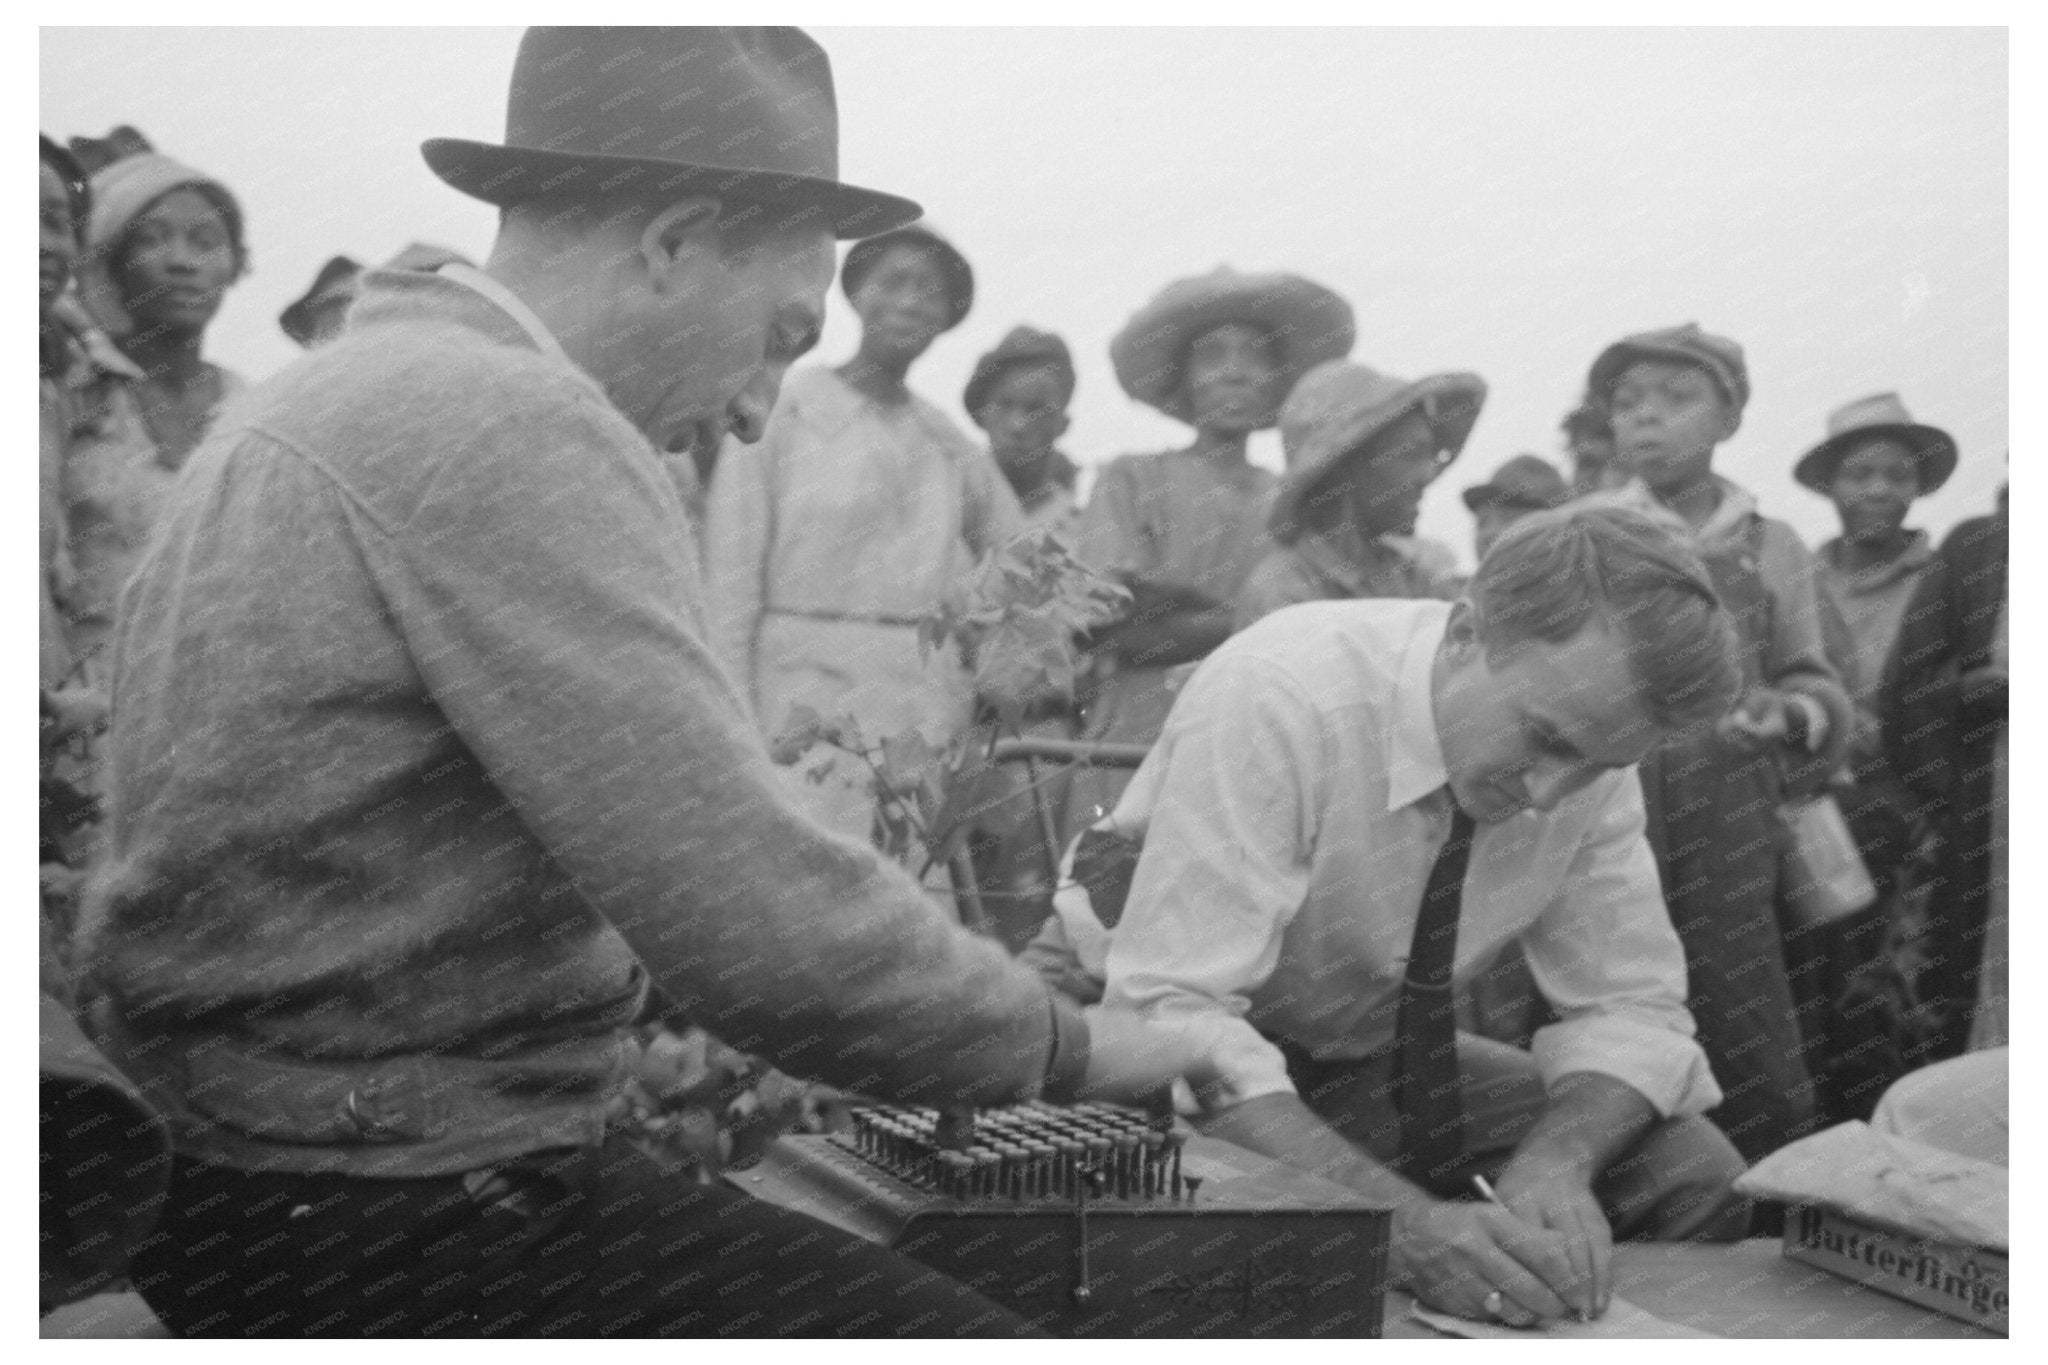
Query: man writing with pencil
x=1352, y=808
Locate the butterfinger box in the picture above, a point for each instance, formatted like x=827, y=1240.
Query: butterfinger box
x=1970, y=1283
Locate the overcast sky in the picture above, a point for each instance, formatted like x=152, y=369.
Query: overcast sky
x=1504, y=201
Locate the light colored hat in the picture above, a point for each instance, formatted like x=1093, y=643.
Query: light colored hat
x=121, y=191
x=1686, y=344
x=1340, y=404
x=1880, y=415
x=1308, y=323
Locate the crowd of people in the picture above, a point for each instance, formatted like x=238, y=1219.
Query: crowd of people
x=304, y=641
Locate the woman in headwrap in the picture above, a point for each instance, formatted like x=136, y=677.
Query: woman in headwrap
x=163, y=245
x=862, y=506
x=1182, y=528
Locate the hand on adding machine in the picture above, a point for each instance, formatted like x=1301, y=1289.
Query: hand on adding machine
x=1135, y=1059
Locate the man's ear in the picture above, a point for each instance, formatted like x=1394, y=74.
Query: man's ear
x=1461, y=633
x=683, y=229
x=1061, y=429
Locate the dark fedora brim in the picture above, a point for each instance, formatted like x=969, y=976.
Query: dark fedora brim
x=1934, y=450
x=509, y=175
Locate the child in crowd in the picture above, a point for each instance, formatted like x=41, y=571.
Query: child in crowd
x=1525, y=484
x=1018, y=395
x=1674, y=396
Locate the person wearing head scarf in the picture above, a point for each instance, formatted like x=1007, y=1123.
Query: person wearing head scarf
x=1361, y=449
x=1183, y=528
x=860, y=509
x=163, y=245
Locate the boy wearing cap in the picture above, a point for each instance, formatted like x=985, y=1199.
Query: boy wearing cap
x=1361, y=449
x=1523, y=485
x=1674, y=396
x=1019, y=394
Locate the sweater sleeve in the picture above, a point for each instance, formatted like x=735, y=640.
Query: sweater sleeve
x=545, y=600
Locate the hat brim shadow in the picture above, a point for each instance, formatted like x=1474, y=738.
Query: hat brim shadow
x=503, y=175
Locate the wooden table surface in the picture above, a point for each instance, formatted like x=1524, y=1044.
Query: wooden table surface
x=1744, y=1289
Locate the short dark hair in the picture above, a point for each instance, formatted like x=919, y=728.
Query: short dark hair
x=1589, y=418
x=744, y=226
x=1552, y=573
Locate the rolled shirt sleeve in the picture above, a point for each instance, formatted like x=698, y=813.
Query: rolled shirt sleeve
x=1227, y=865
x=1605, y=955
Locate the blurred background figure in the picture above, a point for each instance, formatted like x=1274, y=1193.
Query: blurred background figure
x=1872, y=464
x=860, y=509
x=1362, y=448
x=1943, y=703
x=1018, y=396
x=1183, y=528
x=1523, y=485
x=1589, y=440
x=163, y=246
x=316, y=316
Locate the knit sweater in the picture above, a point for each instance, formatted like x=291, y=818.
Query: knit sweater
x=423, y=770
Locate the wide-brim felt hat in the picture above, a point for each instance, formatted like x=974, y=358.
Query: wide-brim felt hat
x=746, y=114
x=1880, y=416
x=1686, y=344
x=1309, y=325
x=1529, y=482
x=1339, y=405
x=1025, y=345
x=864, y=255
x=335, y=283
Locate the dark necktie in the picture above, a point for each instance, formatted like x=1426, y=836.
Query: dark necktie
x=1425, y=1034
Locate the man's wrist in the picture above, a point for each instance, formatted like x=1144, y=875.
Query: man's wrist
x=1066, y=1062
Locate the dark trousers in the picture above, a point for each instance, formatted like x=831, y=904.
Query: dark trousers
x=1672, y=1186
x=583, y=1242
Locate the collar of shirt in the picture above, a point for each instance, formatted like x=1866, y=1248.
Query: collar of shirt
x=1415, y=753
x=508, y=302
x=1727, y=521
x=1917, y=555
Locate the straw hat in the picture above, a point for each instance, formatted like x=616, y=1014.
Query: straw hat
x=1878, y=416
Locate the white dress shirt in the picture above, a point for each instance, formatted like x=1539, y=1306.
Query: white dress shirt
x=1291, y=811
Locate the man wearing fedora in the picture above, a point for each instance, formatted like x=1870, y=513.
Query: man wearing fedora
x=425, y=776
x=1525, y=484
x=1354, y=807
x=1362, y=448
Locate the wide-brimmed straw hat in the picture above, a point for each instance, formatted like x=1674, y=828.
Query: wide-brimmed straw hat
x=1529, y=482
x=1340, y=404
x=1880, y=416
x=865, y=255
x=1308, y=323
x=742, y=113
